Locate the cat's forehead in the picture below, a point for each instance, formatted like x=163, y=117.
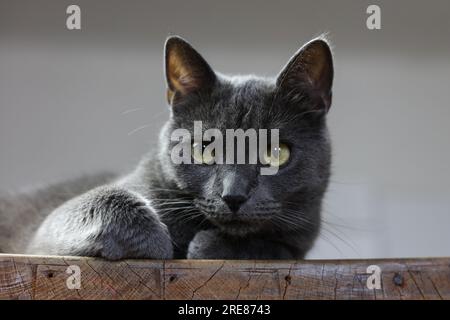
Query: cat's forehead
x=236, y=103
x=248, y=88
x=243, y=102
x=250, y=92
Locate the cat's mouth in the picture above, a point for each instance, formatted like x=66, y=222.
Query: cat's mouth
x=238, y=227
x=241, y=223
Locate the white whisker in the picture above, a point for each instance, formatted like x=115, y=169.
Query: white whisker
x=138, y=129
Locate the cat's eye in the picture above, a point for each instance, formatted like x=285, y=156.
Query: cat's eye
x=277, y=156
x=199, y=154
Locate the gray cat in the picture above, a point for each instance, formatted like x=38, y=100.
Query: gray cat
x=164, y=210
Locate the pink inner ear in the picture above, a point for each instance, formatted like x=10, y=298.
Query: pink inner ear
x=186, y=70
x=179, y=75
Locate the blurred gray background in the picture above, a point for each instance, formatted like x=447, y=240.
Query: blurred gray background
x=75, y=102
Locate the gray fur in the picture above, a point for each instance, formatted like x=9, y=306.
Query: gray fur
x=162, y=210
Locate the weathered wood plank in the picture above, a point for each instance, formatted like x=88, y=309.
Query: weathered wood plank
x=33, y=277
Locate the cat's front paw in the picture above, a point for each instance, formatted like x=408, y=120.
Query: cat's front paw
x=209, y=244
x=213, y=244
x=130, y=227
x=106, y=222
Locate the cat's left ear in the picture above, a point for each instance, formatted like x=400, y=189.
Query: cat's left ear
x=310, y=72
x=186, y=70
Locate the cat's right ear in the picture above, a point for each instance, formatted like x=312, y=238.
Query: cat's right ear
x=186, y=70
x=309, y=72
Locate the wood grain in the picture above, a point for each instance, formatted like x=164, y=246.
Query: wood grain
x=33, y=277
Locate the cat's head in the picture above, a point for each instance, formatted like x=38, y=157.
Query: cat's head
x=237, y=197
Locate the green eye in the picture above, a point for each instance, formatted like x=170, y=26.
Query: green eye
x=200, y=156
x=276, y=157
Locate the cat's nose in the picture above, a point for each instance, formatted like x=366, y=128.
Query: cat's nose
x=234, y=202
x=236, y=188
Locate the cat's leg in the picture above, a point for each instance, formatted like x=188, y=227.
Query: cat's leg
x=213, y=244
x=109, y=222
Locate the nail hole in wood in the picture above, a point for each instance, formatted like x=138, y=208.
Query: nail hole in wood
x=288, y=279
x=398, y=279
